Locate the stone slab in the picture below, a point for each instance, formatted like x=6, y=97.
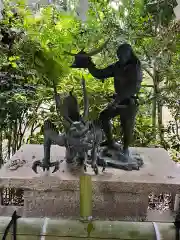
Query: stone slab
x=158, y=174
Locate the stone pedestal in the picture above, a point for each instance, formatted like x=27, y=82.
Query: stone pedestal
x=66, y=204
x=117, y=194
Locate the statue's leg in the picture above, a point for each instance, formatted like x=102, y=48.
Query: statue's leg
x=127, y=117
x=94, y=158
x=50, y=136
x=122, y=158
x=105, y=116
x=47, y=151
x=55, y=138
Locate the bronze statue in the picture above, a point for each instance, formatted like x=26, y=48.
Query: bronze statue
x=81, y=138
x=127, y=76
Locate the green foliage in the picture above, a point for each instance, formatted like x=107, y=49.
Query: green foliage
x=36, y=53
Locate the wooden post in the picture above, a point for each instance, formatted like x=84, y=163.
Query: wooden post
x=85, y=196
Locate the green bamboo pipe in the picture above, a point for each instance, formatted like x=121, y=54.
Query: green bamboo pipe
x=85, y=196
x=63, y=229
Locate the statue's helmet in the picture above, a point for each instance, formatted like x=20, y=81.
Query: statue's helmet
x=124, y=53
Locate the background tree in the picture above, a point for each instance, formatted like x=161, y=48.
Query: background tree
x=37, y=54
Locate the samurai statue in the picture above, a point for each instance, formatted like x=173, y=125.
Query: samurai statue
x=127, y=74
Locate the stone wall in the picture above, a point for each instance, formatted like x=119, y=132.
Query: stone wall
x=111, y=205
x=66, y=203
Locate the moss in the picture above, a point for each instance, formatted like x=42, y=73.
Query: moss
x=67, y=228
x=134, y=234
x=27, y=229
x=30, y=229
x=102, y=229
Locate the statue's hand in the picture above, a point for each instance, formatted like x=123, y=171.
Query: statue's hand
x=82, y=60
x=86, y=60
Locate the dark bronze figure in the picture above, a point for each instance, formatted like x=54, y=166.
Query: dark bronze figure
x=80, y=138
x=127, y=76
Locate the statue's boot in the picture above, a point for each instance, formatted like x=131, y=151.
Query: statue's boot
x=111, y=145
x=126, y=152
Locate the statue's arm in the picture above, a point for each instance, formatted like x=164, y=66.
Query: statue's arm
x=100, y=73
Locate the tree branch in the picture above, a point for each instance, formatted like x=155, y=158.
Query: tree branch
x=148, y=72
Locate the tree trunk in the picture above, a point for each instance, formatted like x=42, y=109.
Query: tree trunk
x=160, y=124
x=15, y=137
x=159, y=110
x=154, y=103
x=65, y=5
x=154, y=114
x=1, y=149
x=9, y=140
